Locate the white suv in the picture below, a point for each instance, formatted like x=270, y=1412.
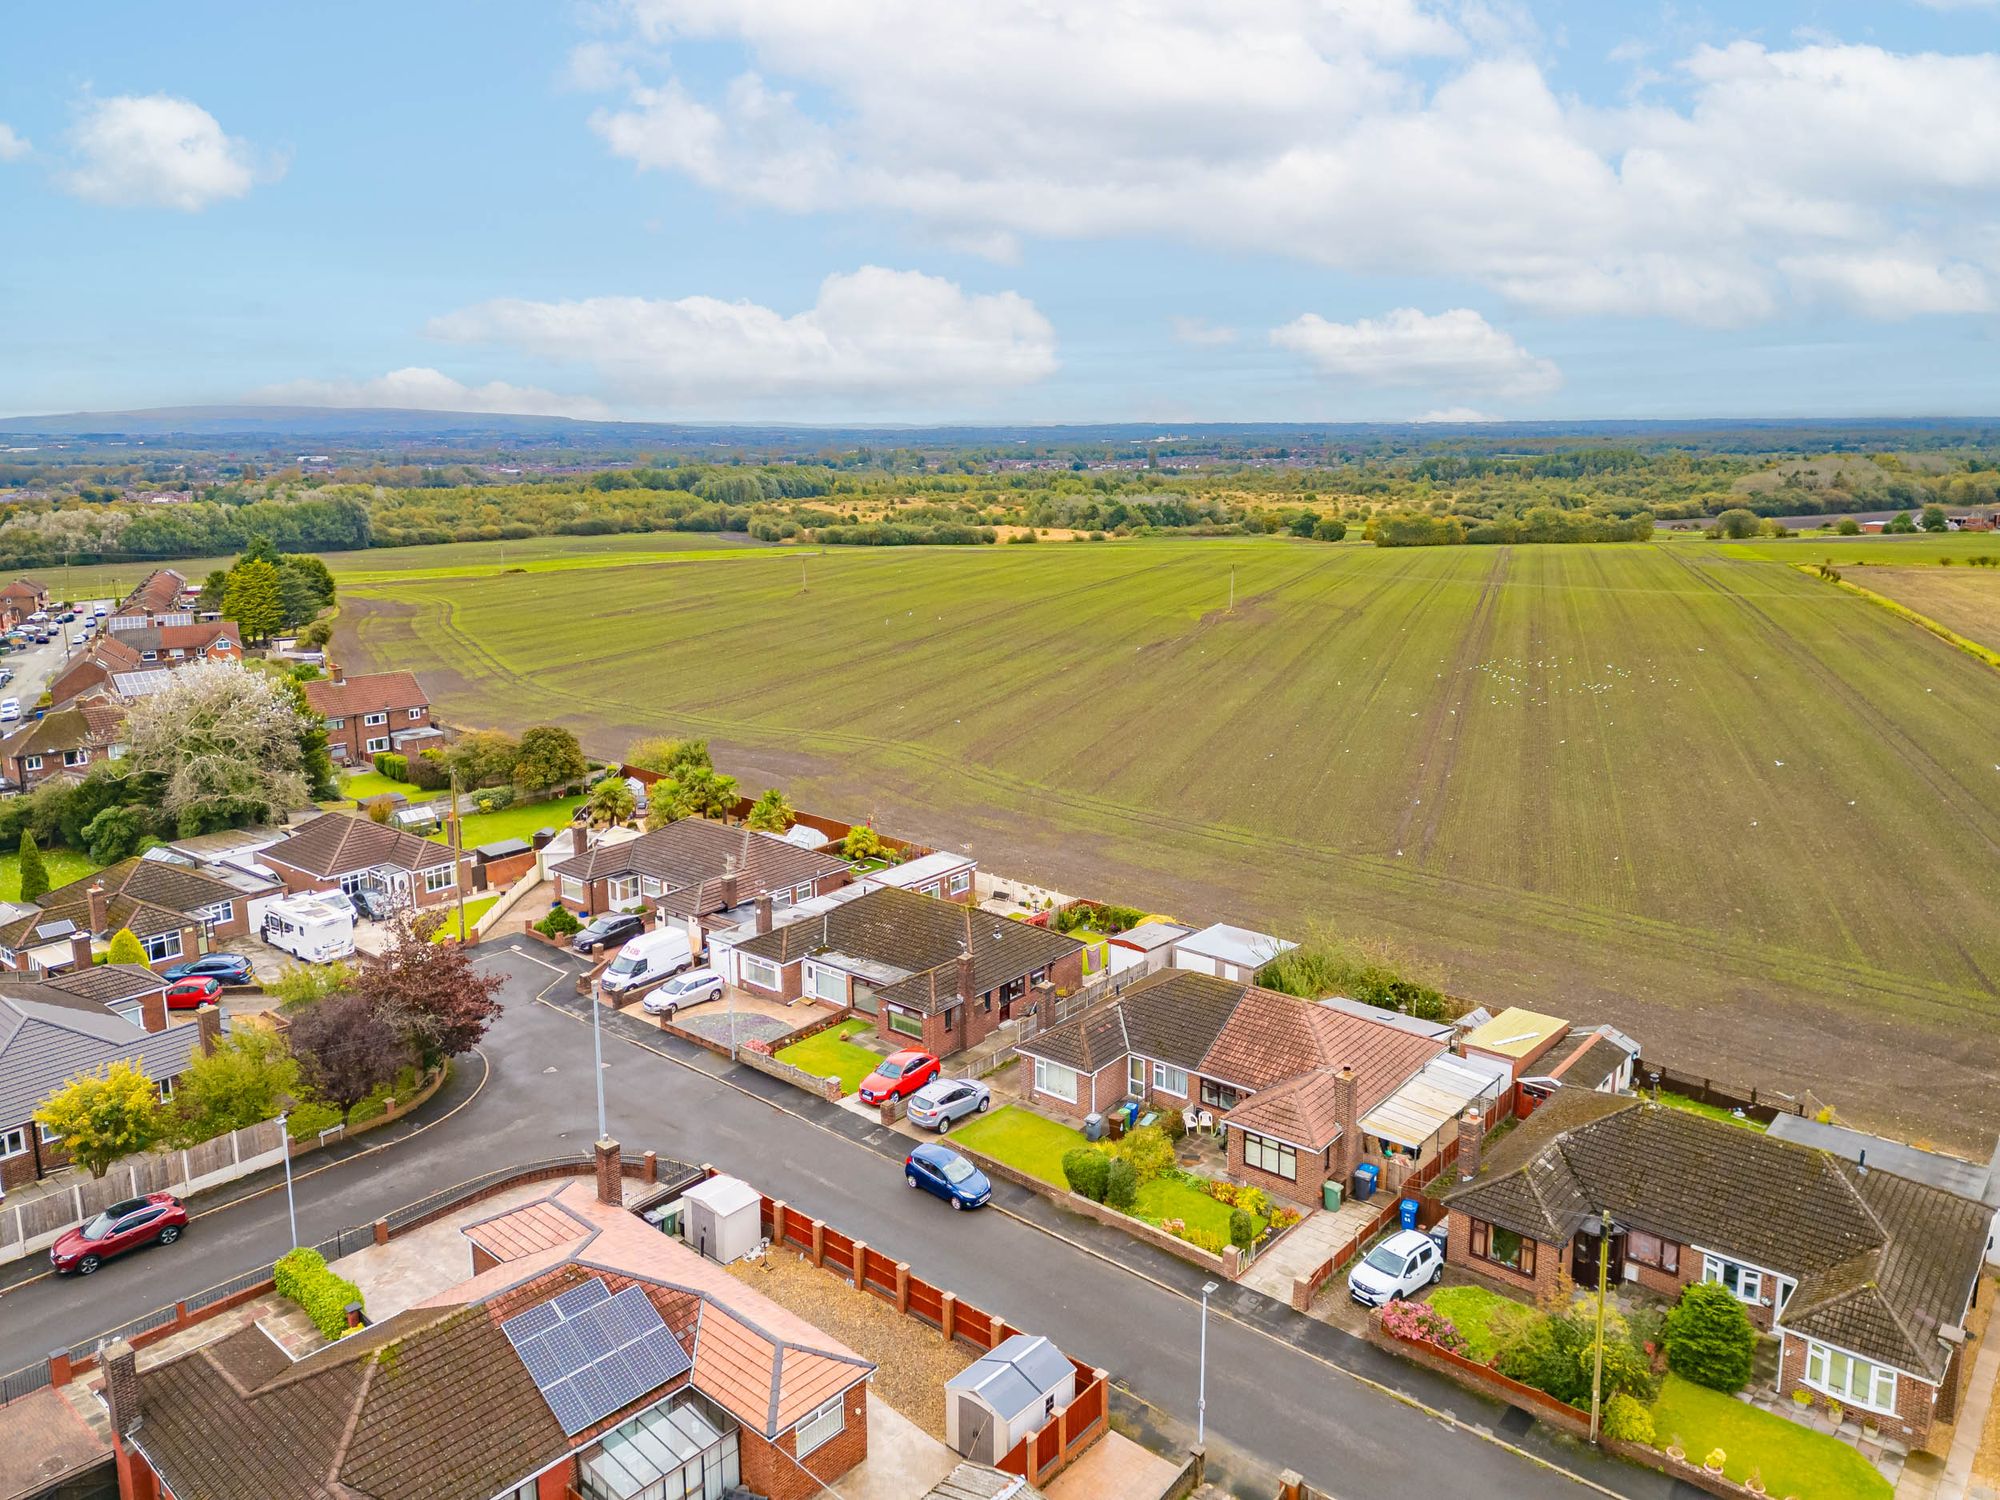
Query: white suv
x=1405, y=1262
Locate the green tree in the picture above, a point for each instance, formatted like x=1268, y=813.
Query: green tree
x=302, y=984
x=1330, y=531
x=484, y=757
x=549, y=757
x=115, y=833
x=212, y=589
x=1709, y=1338
x=771, y=813
x=126, y=949
x=1736, y=524
x=105, y=1116
x=862, y=842
x=1848, y=526
x=226, y=746
x=34, y=874
x=317, y=575
x=254, y=601
x=669, y=757
x=1900, y=524
x=246, y=1079
x=1305, y=524
x=298, y=601
x=1935, y=519
x=611, y=803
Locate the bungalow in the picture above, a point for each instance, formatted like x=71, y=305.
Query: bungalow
x=945, y=875
x=704, y=874
x=588, y=1354
x=372, y=713
x=158, y=592
x=177, y=907
x=1588, y=1057
x=1228, y=952
x=338, y=851
x=932, y=970
x=1863, y=1275
x=67, y=740
x=1288, y=1079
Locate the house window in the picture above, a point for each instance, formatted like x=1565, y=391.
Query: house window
x=1746, y=1283
x=1643, y=1249
x=33, y=762
x=905, y=1024
x=76, y=757
x=1170, y=1080
x=438, y=878
x=961, y=882
x=1040, y=976
x=823, y=983
x=1135, y=1077
x=649, y=885
x=216, y=915
x=802, y=892
x=1055, y=1080
x=166, y=1090
x=416, y=714
x=161, y=946
x=374, y=719
x=761, y=972
x=14, y=1142
x=1502, y=1247
x=1267, y=1155
x=378, y=743
x=822, y=1426
x=49, y=1137
x=572, y=889
x=1219, y=1095
x=149, y=656
x=1850, y=1380
x=336, y=723
x=624, y=892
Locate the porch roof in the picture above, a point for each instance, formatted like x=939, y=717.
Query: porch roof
x=1443, y=1087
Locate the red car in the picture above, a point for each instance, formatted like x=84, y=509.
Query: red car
x=900, y=1075
x=156, y=1219
x=193, y=993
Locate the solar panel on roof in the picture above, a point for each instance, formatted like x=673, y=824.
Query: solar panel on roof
x=591, y=1351
x=57, y=929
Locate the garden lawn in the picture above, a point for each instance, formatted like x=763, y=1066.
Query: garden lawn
x=519, y=822
x=1169, y=1197
x=1022, y=1140
x=1472, y=1310
x=830, y=1053
x=1790, y=1459
x=359, y=784
x=474, y=910
x=63, y=866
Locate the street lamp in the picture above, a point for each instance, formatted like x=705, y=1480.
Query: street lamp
x=597, y=1050
x=286, y=1104
x=1208, y=1289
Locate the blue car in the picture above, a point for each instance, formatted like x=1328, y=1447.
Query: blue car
x=943, y=1172
x=223, y=968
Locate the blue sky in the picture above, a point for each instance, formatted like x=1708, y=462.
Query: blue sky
x=918, y=210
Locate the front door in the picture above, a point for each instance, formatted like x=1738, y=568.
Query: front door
x=1584, y=1258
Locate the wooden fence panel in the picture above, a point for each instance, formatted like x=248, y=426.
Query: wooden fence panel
x=839, y=1250
x=974, y=1326
x=880, y=1273
x=1048, y=1447
x=926, y=1301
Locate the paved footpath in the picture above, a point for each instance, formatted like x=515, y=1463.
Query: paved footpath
x=1293, y=1391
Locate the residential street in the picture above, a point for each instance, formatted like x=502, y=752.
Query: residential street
x=1280, y=1387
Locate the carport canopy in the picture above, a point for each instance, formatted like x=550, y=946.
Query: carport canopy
x=1440, y=1092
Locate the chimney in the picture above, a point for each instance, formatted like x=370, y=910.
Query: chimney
x=121, y=1386
x=79, y=950
x=333, y=673
x=1471, y=1136
x=153, y=1009
x=1347, y=1109
x=208, y=1022
x=610, y=1174
x=100, y=907
x=729, y=882
x=764, y=913
x=965, y=981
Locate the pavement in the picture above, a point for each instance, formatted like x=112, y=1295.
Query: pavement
x=1294, y=1392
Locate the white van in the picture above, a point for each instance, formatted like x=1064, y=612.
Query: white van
x=647, y=959
x=310, y=927
x=10, y=710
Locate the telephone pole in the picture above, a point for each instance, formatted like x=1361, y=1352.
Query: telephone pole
x=1603, y=1293
x=457, y=855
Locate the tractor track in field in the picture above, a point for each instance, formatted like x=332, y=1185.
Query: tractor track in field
x=1473, y=648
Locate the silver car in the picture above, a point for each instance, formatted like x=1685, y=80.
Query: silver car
x=942, y=1100
x=694, y=987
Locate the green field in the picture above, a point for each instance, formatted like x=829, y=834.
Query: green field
x=62, y=865
x=1751, y=818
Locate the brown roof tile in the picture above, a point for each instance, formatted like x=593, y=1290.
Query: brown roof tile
x=368, y=693
x=338, y=843
x=694, y=854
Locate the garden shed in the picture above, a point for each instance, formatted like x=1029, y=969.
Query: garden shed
x=1006, y=1394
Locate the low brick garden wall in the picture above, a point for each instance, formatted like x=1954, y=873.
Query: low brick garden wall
x=827, y=1088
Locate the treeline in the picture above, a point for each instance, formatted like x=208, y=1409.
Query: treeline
x=320, y=522
x=1544, y=524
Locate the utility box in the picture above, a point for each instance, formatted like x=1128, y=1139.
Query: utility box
x=723, y=1218
x=1009, y=1393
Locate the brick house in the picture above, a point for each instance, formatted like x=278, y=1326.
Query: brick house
x=706, y=876
x=706, y=1387
x=1864, y=1276
x=371, y=713
x=1287, y=1079
x=926, y=968
x=342, y=852
x=176, y=640
x=93, y=671
x=68, y=740
x=54, y=1028
x=21, y=598
x=177, y=907
x=158, y=593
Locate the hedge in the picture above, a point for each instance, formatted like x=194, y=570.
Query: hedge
x=395, y=767
x=302, y=1275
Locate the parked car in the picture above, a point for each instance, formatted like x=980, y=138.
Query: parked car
x=898, y=1076
x=647, y=959
x=10, y=710
x=943, y=1100
x=1407, y=1261
x=942, y=1172
x=193, y=992
x=156, y=1219
x=607, y=931
x=374, y=905
x=224, y=968
x=66, y=616
x=696, y=987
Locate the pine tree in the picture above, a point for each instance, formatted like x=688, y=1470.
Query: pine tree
x=253, y=600
x=34, y=876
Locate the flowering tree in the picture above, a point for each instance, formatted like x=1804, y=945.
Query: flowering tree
x=225, y=742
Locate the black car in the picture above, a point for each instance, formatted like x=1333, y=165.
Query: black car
x=607, y=931
x=224, y=968
x=373, y=905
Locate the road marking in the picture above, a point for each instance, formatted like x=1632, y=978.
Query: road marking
x=1449, y=1419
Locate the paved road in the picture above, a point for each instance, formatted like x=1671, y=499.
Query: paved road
x=1296, y=1392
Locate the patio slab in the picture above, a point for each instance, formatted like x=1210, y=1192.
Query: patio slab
x=1306, y=1246
x=1114, y=1468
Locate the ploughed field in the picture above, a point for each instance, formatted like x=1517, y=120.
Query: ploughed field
x=1965, y=600
x=1747, y=816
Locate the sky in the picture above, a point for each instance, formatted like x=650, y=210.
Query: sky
x=1005, y=210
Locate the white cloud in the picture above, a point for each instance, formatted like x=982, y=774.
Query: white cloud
x=13, y=145
x=1456, y=416
x=1201, y=333
x=1889, y=285
x=161, y=152
x=1400, y=137
x=873, y=338
x=1456, y=351
x=421, y=389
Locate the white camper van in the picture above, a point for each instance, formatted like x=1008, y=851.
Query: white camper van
x=647, y=959
x=310, y=927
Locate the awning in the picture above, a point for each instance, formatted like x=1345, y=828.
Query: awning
x=1416, y=1112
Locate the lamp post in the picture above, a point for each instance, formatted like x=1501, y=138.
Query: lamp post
x=1208, y=1288
x=597, y=1053
x=286, y=1105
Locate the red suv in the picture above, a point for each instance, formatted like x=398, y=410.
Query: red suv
x=899, y=1075
x=193, y=993
x=157, y=1218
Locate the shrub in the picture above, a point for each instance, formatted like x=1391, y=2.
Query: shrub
x=1148, y=1151
x=560, y=922
x=1211, y=1240
x=302, y=1275
x=430, y=770
x=378, y=810
x=1419, y=1320
x=1709, y=1338
x=1627, y=1419
x=1121, y=1185
x=307, y=1120
x=862, y=842
x=126, y=948
x=1240, y=1229
x=1087, y=1171
x=395, y=767
x=493, y=798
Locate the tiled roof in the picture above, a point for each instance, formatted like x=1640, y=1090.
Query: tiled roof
x=106, y=984
x=147, y=895
x=1583, y=1059
x=1302, y=1111
x=194, y=637
x=159, y=590
x=338, y=843
x=693, y=855
x=48, y=1037
x=84, y=726
x=1881, y=1262
x=368, y=693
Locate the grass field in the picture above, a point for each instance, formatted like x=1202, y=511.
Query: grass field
x=830, y=1054
x=358, y=784
x=474, y=910
x=1682, y=787
x=62, y=865
x=517, y=822
x=1790, y=1459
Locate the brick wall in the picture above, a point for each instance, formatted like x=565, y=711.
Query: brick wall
x=773, y=1470
x=1550, y=1260
x=1915, y=1399
x=1314, y=1169
x=1110, y=1081
x=791, y=982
